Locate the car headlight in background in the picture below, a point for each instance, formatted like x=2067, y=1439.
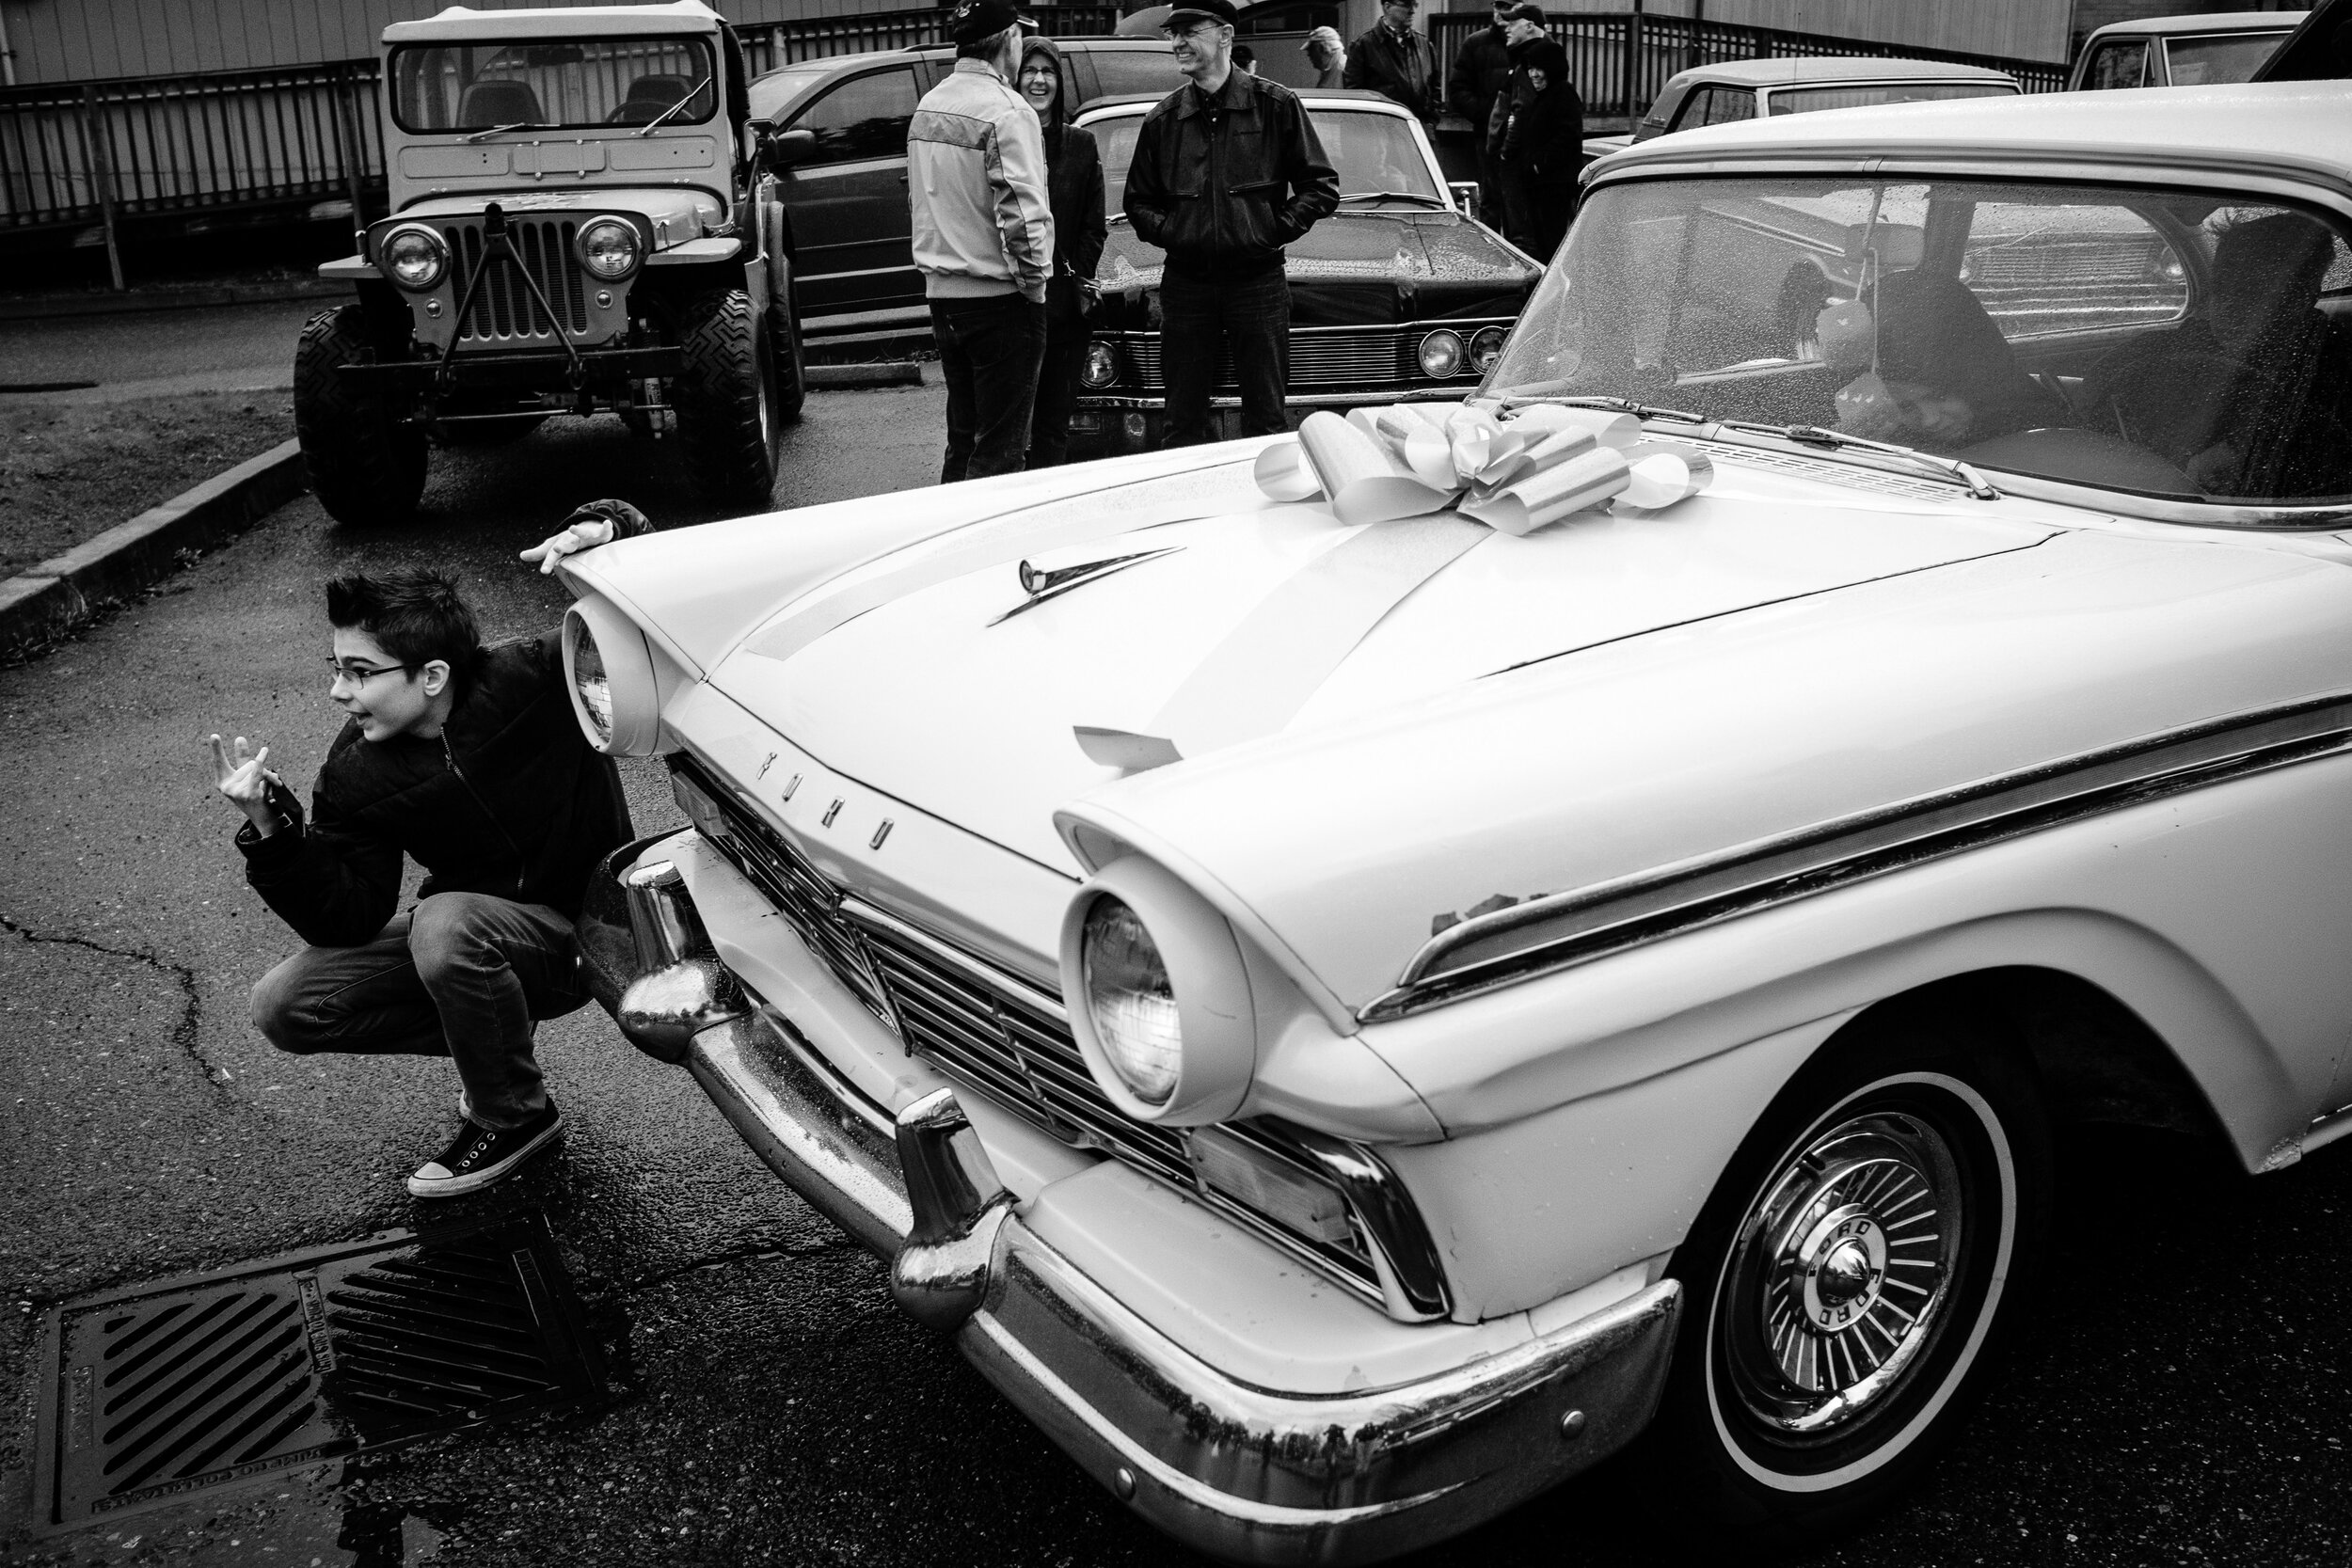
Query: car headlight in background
x=1485, y=348
x=609, y=672
x=1441, y=354
x=1159, y=996
x=415, y=256
x=1100, y=368
x=609, y=249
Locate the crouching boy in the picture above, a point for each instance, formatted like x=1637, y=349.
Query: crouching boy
x=469, y=760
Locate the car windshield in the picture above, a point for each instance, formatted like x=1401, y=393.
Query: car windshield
x=1804, y=100
x=2146, y=340
x=1374, y=153
x=568, y=84
x=2225, y=57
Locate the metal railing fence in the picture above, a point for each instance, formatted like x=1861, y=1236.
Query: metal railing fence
x=1620, y=60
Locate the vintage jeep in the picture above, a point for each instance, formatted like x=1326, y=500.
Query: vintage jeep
x=574, y=229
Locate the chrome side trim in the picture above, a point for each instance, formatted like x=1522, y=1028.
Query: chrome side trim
x=1546, y=934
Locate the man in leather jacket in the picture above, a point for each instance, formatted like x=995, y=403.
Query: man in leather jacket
x=469, y=760
x=1226, y=170
x=1396, y=62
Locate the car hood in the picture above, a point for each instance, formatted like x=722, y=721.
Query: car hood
x=930, y=677
x=686, y=212
x=1359, y=267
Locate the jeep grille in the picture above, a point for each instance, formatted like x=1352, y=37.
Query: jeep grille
x=504, y=310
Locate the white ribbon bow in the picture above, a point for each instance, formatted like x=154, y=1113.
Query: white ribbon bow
x=1515, y=474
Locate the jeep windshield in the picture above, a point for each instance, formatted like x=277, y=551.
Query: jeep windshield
x=568, y=85
x=2135, y=340
x=1379, y=164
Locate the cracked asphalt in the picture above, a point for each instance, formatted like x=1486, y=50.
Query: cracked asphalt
x=2181, y=1398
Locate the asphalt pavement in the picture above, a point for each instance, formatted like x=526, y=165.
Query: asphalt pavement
x=238, y=348
x=2180, y=1397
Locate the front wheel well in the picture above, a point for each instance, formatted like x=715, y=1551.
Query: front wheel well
x=2100, y=1063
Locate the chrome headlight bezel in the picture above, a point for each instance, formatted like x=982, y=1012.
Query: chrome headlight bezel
x=1217, y=1034
x=1441, y=355
x=599, y=263
x=1485, y=348
x=608, y=674
x=434, y=257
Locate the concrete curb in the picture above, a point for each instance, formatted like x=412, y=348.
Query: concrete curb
x=61, y=593
x=179, y=299
x=894, y=373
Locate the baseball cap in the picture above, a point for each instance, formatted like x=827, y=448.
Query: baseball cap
x=975, y=20
x=1322, y=35
x=1191, y=13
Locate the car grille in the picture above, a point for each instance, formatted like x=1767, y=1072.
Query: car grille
x=988, y=1029
x=1320, y=359
x=504, y=310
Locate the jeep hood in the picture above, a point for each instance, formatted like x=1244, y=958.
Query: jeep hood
x=681, y=214
x=933, y=678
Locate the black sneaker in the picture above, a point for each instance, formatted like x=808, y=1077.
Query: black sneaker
x=479, y=1157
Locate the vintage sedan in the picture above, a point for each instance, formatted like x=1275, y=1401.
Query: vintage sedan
x=1728, y=92
x=1400, y=294
x=2196, y=50
x=1347, y=1022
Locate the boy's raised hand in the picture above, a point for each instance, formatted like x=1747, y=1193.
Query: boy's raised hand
x=244, y=781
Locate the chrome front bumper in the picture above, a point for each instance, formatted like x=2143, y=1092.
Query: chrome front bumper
x=1248, y=1473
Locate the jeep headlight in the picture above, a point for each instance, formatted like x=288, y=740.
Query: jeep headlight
x=416, y=256
x=1159, y=996
x=609, y=249
x=1100, y=368
x=610, y=671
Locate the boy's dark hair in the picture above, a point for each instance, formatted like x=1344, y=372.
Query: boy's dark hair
x=414, y=614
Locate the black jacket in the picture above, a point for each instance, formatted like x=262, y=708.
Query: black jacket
x=508, y=800
x=1074, y=189
x=1481, y=71
x=1546, y=135
x=1404, y=69
x=1223, y=185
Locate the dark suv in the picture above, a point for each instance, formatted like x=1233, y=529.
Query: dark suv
x=836, y=131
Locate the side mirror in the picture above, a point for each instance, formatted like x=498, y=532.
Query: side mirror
x=783, y=150
x=1465, y=197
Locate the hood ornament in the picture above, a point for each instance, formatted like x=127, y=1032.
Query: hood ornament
x=1043, y=583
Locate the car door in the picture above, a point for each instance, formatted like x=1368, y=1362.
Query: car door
x=848, y=197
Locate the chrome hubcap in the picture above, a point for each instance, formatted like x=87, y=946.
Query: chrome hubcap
x=1840, y=1272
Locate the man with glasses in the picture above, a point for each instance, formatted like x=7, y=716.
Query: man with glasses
x=1396, y=62
x=469, y=761
x=1226, y=170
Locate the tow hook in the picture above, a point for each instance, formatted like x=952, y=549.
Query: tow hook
x=941, y=1276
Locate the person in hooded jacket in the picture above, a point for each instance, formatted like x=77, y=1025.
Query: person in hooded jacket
x=1073, y=180
x=1544, y=146
x=1523, y=30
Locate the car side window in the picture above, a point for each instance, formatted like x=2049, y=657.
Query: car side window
x=1716, y=105
x=2040, y=268
x=865, y=117
x=2122, y=64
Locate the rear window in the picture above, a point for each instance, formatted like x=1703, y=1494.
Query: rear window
x=2232, y=58
x=1802, y=101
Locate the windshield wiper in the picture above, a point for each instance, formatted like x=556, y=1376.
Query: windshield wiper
x=1394, y=196
x=1624, y=405
x=647, y=129
x=518, y=125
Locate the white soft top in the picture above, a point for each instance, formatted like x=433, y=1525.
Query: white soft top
x=1781, y=72
x=2291, y=126
x=558, y=22
x=2206, y=21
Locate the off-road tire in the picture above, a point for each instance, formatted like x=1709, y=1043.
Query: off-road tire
x=366, y=467
x=783, y=341
x=725, y=400
x=1922, y=1137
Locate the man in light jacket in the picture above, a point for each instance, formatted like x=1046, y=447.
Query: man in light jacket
x=984, y=240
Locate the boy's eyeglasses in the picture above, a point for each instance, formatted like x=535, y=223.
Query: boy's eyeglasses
x=360, y=676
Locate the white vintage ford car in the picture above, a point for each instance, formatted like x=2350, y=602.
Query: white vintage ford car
x=1349, y=1022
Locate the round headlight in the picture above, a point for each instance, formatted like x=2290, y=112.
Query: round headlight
x=1130, y=1002
x=1102, y=366
x=416, y=258
x=1486, y=348
x=608, y=248
x=1441, y=355
x=609, y=671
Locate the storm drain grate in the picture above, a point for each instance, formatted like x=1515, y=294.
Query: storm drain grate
x=158, y=1390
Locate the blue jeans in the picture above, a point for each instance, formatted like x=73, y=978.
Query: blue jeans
x=464, y=975
x=1251, y=320
x=989, y=349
